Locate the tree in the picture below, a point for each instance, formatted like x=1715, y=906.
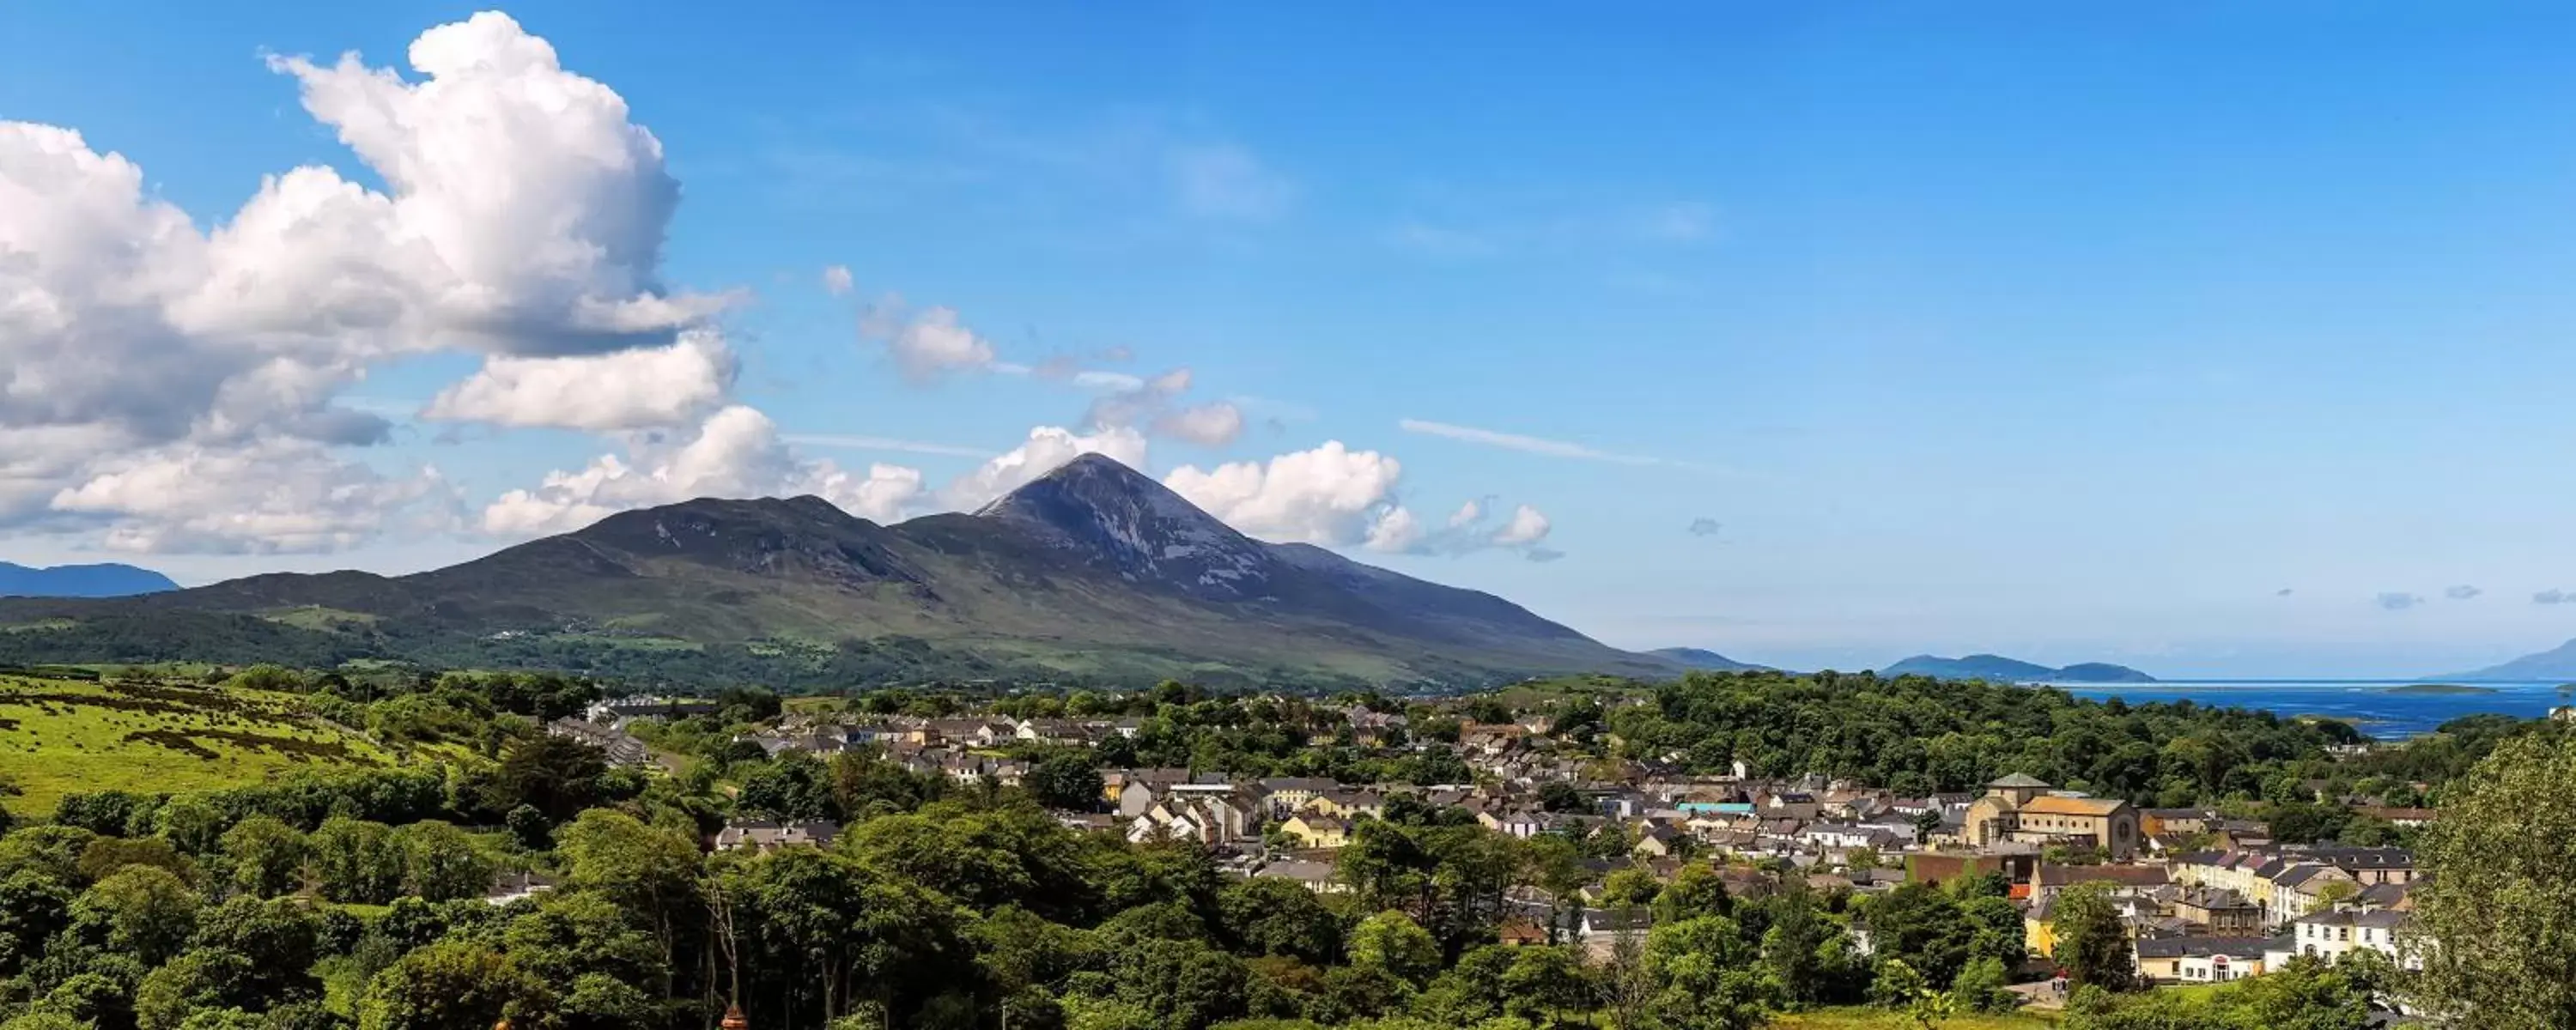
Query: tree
x=357, y=862
x=441, y=863
x=1392, y=943
x=1629, y=888
x=266, y=856
x=1705, y=975
x=2500, y=878
x=1980, y=986
x=1065, y=780
x=1696, y=890
x=2092, y=944
x=1276, y=917
x=104, y=856
x=530, y=827
x=793, y=786
x=143, y=911
x=559, y=776
x=200, y=979
x=453, y=985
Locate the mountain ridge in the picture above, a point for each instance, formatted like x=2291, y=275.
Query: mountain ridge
x=1705, y=660
x=2557, y=663
x=103, y=579
x=1999, y=669
x=1092, y=569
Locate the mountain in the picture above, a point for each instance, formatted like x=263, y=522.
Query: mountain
x=106, y=580
x=2558, y=663
x=1711, y=661
x=1092, y=572
x=1999, y=669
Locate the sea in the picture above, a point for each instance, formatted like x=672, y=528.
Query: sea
x=2384, y=709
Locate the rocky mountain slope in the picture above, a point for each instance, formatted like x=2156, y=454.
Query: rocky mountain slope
x=1092, y=570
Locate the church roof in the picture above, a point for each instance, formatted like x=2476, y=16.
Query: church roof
x=2015, y=780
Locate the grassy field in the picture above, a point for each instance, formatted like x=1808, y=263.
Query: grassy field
x=59, y=736
x=1883, y=1019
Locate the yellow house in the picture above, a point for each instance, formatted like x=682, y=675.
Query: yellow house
x=2039, y=934
x=1317, y=831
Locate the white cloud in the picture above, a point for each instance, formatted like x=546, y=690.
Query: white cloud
x=737, y=452
x=522, y=215
x=272, y=496
x=882, y=443
x=1227, y=181
x=1329, y=495
x=1335, y=496
x=1214, y=424
x=1046, y=448
x=1153, y=404
x=928, y=344
x=836, y=280
x=619, y=390
x=1527, y=444
x=1526, y=527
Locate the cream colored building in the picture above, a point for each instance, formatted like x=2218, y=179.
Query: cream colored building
x=2020, y=809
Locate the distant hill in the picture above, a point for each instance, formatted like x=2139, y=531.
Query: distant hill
x=104, y=580
x=2558, y=663
x=1091, y=573
x=1999, y=669
x=1709, y=661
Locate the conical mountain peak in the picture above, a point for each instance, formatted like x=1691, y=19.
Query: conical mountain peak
x=1121, y=518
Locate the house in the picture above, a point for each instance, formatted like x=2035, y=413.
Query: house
x=1518, y=824
x=1657, y=841
x=2332, y=934
x=2410, y=818
x=511, y=886
x=2218, y=912
x=765, y=835
x=617, y=746
x=2022, y=809
x=2200, y=959
x=1285, y=794
x=2307, y=887
x=1600, y=930
x=2177, y=822
x=2055, y=878
x=1348, y=804
x=1316, y=830
x=1314, y=876
x=615, y=711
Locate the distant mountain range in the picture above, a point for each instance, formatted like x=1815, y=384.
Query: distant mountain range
x=103, y=580
x=1999, y=669
x=1709, y=661
x=2558, y=663
x=1093, y=572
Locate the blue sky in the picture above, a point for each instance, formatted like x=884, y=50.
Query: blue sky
x=2016, y=328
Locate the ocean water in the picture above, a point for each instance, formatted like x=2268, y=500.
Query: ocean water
x=2377, y=707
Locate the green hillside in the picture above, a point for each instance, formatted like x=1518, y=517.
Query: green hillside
x=1092, y=573
x=59, y=736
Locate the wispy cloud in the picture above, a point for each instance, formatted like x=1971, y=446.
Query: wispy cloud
x=1526, y=444
x=1705, y=527
x=2462, y=592
x=881, y=443
x=1512, y=227
x=2553, y=596
x=2397, y=600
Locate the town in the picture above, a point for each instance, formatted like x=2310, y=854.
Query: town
x=2202, y=896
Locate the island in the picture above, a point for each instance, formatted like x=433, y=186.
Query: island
x=2435, y=689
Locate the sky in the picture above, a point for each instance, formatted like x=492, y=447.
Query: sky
x=2217, y=339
